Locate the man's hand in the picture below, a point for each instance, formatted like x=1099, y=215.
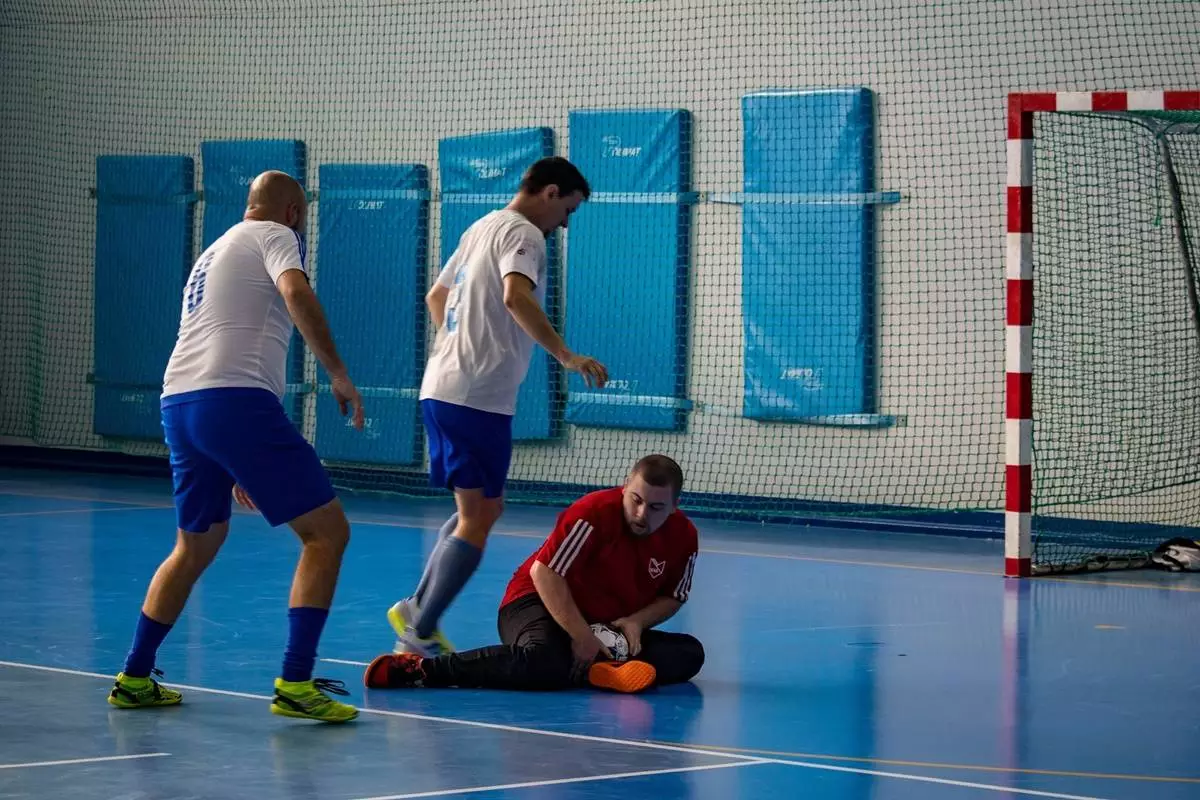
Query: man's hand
x=348, y=398
x=633, y=633
x=586, y=650
x=243, y=499
x=593, y=372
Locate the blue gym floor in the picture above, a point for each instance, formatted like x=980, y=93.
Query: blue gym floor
x=841, y=664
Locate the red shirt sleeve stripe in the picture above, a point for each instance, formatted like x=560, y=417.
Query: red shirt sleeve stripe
x=684, y=587
x=569, y=549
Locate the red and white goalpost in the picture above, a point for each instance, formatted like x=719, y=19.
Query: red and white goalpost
x=1020, y=296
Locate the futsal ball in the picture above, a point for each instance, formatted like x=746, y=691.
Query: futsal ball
x=613, y=640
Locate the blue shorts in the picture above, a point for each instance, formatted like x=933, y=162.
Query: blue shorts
x=221, y=436
x=468, y=448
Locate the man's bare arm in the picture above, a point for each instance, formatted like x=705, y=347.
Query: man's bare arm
x=659, y=611
x=520, y=302
x=556, y=596
x=305, y=310
x=524, y=307
x=435, y=301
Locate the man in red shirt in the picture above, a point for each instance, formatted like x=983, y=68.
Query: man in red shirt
x=621, y=557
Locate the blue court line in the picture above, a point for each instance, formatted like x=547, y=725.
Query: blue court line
x=737, y=758
x=1079, y=581
x=413, y=522
x=1076, y=580
x=850, y=562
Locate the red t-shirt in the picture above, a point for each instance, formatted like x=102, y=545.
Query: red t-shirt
x=611, y=572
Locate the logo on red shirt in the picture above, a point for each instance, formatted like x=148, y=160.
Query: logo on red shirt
x=657, y=567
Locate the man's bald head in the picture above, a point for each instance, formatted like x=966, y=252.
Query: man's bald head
x=277, y=197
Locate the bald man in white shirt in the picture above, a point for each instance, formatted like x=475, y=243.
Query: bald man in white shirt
x=228, y=436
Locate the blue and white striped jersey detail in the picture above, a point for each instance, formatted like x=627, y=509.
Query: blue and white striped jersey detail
x=302, y=249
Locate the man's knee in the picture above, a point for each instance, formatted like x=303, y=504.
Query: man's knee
x=476, y=515
x=196, y=551
x=326, y=526
x=489, y=510
x=549, y=666
x=690, y=655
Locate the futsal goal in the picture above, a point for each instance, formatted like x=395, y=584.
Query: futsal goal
x=1103, y=328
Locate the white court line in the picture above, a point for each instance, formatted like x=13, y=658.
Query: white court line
x=425, y=717
x=990, y=787
x=130, y=507
x=737, y=758
x=96, y=760
x=344, y=661
x=560, y=781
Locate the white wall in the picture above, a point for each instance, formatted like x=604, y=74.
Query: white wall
x=377, y=81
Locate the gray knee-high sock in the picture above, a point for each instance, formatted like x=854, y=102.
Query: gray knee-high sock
x=443, y=533
x=455, y=565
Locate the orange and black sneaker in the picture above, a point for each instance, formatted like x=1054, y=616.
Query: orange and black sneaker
x=394, y=671
x=622, y=676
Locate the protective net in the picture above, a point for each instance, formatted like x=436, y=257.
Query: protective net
x=799, y=294
x=1116, y=356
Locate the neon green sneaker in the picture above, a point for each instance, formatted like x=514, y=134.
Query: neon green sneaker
x=307, y=700
x=130, y=692
x=400, y=617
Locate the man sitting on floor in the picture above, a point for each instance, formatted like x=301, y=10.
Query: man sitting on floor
x=620, y=557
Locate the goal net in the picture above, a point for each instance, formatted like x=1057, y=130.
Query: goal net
x=1115, y=344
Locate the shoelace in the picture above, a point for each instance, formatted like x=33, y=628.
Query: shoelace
x=331, y=686
x=154, y=687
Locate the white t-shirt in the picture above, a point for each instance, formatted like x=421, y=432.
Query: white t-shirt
x=481, y=354
x=234, y=328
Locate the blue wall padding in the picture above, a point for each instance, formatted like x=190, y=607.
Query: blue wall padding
x=374, y=237
x=229, y=167
x=808, y=253
x=144, y=240
x=627, y=275
x=480, y=173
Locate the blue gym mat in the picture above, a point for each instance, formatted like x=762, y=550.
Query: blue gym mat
x=371, y=278
x=229, y=167
x=144, y=240
x=808, y=256
x=480, y=173
x=627, y=276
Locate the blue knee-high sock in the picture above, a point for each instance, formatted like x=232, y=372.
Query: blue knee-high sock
x=146, y=640
x=443, y=533
x=304, y=631
x=454, y=568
